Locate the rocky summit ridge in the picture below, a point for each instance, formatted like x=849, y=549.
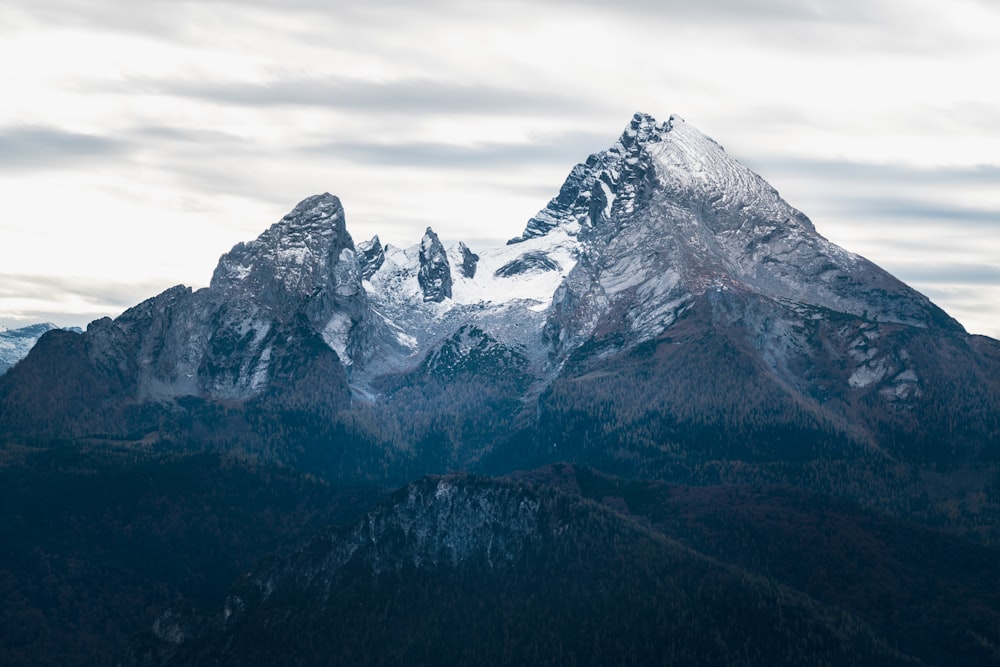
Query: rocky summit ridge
x=666, y=214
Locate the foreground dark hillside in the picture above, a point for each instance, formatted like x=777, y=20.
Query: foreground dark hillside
x=474, y=571
x=97, y=545
x=112, y=552
x=928, y=593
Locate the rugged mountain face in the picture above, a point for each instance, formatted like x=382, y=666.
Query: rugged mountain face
x=371, y=255
x=284, y=307
x=677, y=303
x=642, y=231
x=666, y=215
x=434, y=275
x=305, y=263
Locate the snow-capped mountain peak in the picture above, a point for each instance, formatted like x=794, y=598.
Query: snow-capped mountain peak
x=666, y=214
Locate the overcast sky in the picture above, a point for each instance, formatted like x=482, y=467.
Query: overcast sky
x=141, y=139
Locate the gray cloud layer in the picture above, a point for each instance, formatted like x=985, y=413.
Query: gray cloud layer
x=100, y=292
x=951, y=274
x=986, y=174
x=565, y=150
x=917, y=212
x=28, y=147
x=399, y=97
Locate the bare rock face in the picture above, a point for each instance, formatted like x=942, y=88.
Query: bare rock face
x=224, y=341
x=305, y=263
x=665, y=215
x=301, y=253
x=434, y=275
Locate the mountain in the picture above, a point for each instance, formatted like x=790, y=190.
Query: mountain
x=666, y=315
x=455, y=569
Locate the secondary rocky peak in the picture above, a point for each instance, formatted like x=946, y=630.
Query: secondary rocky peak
x=297, y=254
x=434, y=274
x=271, y=302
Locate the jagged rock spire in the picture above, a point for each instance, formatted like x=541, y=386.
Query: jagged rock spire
x=296, y=255
x=371, y=256
x=434, y=274
x=607, y=179
x=469, y=260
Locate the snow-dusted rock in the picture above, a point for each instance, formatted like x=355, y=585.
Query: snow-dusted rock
x=371, y=255
x=666, y=214
x=635, y=236
x=227, y=340
x=434, y=274
x=469, y=260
